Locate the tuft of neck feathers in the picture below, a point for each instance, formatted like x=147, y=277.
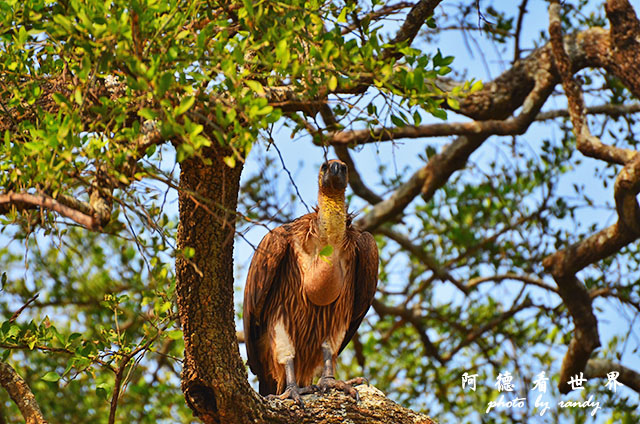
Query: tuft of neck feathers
x=332, y=216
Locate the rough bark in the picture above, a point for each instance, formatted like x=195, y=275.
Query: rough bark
x=214, y=378
x=21, y=394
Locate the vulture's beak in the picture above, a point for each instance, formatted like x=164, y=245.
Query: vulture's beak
x=334, y=175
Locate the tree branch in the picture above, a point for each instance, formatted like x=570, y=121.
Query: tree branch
x=608, y=109
x=510, y=276
x=625, y=43
x=424, y=257
x=574, y=294
x=375, y=14
x=21, y=394
x=412, y=24
x=17, y=313
x=355, y=181
x=473, y=334
x=599, y=368
x=412, y=317
x=29, y=201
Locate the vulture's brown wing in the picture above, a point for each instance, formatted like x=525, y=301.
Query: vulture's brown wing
x=262, y=272
x=366, y=281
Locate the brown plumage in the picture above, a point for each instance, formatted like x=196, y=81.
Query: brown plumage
x=302, y=308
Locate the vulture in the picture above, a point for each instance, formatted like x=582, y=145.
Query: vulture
x=310, y=284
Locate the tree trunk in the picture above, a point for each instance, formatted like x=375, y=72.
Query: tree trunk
x=214, y=378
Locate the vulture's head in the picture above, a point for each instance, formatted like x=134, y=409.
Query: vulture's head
x=333, y=176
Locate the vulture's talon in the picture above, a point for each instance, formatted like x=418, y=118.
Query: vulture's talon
x=327, y=383
x=294, y=393
x=358, y=381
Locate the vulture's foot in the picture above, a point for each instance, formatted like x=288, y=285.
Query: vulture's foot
x=294, y=393
x=326, y=383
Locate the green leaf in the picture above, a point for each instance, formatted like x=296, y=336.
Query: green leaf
x=185, y=105
x=102, y=391
x=175, y=334
x=453, y=103
x=147, y=113
x=342, y=17
x=326, y=251
x=439, y=113
x=333, y=83
x=163, y=83
x=417, y=119
x=51, y=376
x=256, y=87
x=398, y=122
x=230, y=161
x=477, y=86
x=189, y=252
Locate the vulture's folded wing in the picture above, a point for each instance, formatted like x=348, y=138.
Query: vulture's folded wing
x=262, y=272
x=366, y=281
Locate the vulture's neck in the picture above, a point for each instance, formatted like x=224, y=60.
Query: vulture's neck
x=332, y=217
x=325, y=278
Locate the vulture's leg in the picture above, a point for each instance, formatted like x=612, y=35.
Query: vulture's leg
x=328, y=381
x=293, y=391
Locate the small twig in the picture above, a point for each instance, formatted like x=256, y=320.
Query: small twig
x=522, y=10
x=295, y=186
x=120, y=374
x=22, y=308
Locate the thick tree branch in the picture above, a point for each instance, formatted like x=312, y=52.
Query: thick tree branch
x=21, y=394
x=599, y=368
x=586, y=143
x=625, y=42
x=527, y=84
